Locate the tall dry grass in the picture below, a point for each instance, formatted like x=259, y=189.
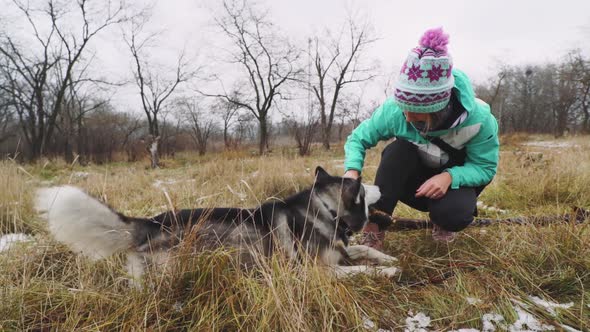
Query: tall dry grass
x=46, y=287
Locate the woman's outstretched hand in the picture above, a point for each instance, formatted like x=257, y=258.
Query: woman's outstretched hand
x=435, y=187
x=351, y=173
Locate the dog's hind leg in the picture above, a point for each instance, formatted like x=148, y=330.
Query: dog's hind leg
x=364, y=252
x=135, y=268
x=350, y=271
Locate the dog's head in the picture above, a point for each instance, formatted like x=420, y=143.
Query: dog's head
x=346, y=198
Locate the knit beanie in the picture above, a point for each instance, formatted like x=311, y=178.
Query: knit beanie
x=425, y=81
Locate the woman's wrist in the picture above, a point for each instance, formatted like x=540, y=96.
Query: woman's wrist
x=352, y=173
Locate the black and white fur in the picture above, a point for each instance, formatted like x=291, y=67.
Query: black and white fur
x=317, y=222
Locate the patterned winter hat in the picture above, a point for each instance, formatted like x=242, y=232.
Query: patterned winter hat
x=425, y=81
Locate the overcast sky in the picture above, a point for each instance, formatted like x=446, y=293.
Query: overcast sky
x=482, y=33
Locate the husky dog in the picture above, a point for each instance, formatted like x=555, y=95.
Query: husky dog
x=315, y=222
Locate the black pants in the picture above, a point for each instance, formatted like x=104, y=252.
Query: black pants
x=401, y=172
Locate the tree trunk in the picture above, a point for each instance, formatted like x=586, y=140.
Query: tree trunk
x=82, y=143
x=326, y=129
x=263, y=144
x=68, y=153
x=202, y=149
x=226, y=141
x=561, y=123
x=36, y=148
x=153, y=149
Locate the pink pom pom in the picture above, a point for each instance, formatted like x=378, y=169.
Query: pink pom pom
x=435, y=39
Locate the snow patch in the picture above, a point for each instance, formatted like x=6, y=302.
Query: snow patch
x=550, y=306
x=7, y=241
x=82, y=175
x=161, y=183
x=551, y=144
x=569, y=328
x=417, y=323
x=481, y=205
x=368, y=324
x=528, y=323
x=490, y=321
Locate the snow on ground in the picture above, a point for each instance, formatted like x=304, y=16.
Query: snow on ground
x=550, y=306
x=569, y=328
x=417, y=323
x=551, y=144
x=491, y=322
x=481, y=205
x=528, y=322
x=368, y=324
x=161, y=183
x=82, y=175
x=7, y=241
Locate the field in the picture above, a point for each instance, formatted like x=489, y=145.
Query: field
x=500, y=277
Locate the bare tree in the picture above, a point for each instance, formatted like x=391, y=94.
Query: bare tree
x=229, y=114
x=566, y=93
x=7, y=118
x=201, y=126
x=582, y=66
x=337, y=62
x=154, y=90
x=352, y=110
x=268, y=61
x=243, y=130
x=36, y=89
x=304, y=133
x=303, y=127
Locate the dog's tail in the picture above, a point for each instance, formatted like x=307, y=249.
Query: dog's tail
x=83, y=223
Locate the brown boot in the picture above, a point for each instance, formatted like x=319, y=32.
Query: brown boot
x=372, y=236
x=442, y=235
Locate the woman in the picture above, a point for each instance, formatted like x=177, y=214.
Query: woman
x=445, y=149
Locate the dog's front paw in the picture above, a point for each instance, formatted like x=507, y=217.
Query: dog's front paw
x=388, y=272
x=386, y=259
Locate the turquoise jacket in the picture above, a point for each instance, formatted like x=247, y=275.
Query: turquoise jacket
x=478, y=133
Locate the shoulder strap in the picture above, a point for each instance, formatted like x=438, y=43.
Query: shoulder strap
x=455, y=154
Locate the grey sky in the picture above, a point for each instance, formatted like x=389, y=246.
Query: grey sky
x=483, y=33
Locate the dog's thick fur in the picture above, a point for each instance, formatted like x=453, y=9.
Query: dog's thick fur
x=315, y=222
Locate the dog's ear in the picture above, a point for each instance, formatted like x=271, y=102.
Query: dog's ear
x=350, y=191
x=321, y=174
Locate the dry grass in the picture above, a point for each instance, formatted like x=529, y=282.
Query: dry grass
x=46, y=287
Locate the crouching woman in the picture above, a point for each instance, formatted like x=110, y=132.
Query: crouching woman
x=445, y=150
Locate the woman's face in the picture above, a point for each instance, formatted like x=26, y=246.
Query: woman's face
x=416, y=117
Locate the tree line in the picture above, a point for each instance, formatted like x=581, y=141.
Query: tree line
x=551, y=99
x=53, y=104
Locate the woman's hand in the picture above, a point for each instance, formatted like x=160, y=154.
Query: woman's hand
x=351, y=173
x=435, y=187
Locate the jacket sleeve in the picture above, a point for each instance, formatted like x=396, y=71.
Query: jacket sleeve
x=377, y=128
x=481, y=162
